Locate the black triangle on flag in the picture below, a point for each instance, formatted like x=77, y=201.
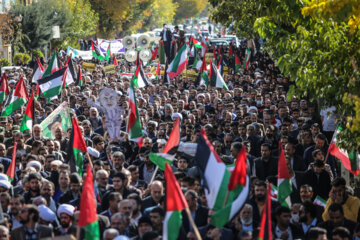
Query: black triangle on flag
x=212, y=74
x=72, y=68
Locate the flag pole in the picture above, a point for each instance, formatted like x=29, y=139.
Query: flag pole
x=154, y=174
x=78, y=232
x=226, y=197
x=196, y=230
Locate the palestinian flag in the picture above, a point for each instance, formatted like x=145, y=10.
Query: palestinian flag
x=158, y=72
x=96, y=53
x=4, y=88
x=197, y=63
x=204, y=78
x=204, y=47
x=174, y=137
x=194, y=42
x=79, y=81
x=154, y=54
x=237, y=63
x=350, y=160
x=274, y=191
x=17, y=98
x=265, y=229
x=108, y=53
x=134, y=127
x=11, y=169
x=320, y=201
x=37, y=94
x=72, y=70
x=140, y=78
x=247, y=58
x=38, y=71
x=28, y=118
x=162, y=56
x=231, y=51
x=77, y=146
x=51, y=85
x=159, y=159
x=216, y=80
x=213, y=172
x=88, y=216
x=223, y=33
x=53, y=65
x=238, y=187
x=175, y=203
x=179, y=63
x=284, y=183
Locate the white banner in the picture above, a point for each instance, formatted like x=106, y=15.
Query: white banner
x=116, y=46
x=85, y=55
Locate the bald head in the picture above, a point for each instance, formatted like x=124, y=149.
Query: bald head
x=157, y=190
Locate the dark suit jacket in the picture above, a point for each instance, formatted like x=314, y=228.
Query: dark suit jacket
x=321, y=185
x=168, y=35
x=43, y=232
x=226, y=233
x=328, y=225
x=147, y=202
x=262, y=171
x=256, y=213
x=201, y=217
x=298, y=163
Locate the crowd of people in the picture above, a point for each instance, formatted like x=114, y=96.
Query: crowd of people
x=44, y=198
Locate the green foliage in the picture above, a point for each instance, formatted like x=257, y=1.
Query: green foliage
x=24, y=57
x=38, y=20
x=161, y=11
x=319, y=55
x=189, y=8
x=37, y=54
x=4, y=62
x=84, y=21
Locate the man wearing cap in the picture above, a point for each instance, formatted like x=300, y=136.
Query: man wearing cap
x=65, y=213
x=29, y=216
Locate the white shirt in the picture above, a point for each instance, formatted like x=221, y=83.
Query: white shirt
x=278, y=233
x=306, y=227
x=329, y=119
x=164, y=35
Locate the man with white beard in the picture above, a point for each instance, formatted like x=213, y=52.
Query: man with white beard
x=246, y=218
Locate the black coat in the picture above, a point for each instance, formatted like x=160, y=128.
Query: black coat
x=321, y=185
x=147, y=202
x=328, y=225
x=256, y=213
x=168, y=35
x=201, y=217
x=263, y=170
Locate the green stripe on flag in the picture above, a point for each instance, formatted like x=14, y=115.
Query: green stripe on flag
x=52, y=92
x=354, y=159
x=159, y=160
x=78, y=155
x=220, y=199
x=284, y=191
x=92, y=231
x=26, y=123
x=12, y=107
x=2, y=97
x=173, y=222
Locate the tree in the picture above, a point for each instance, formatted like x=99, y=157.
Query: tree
x=84, y=21
x=38, y=20
x=161, y=11
x=315, y=44
x=189, y=9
